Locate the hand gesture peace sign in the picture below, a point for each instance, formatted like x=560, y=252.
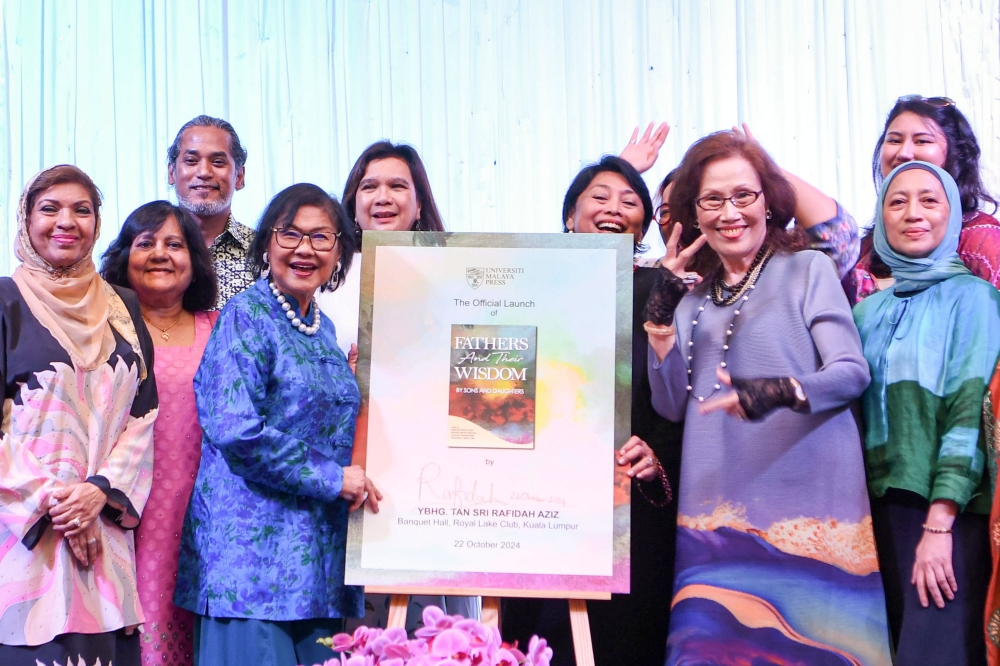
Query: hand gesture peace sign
x=676, y=262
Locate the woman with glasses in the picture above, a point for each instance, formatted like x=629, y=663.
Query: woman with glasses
x=661, y=215
x=263, y=548
x=775, y=559
x=828, y=227
x=932, y=129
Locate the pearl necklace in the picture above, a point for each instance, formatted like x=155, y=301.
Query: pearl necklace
x=296, y=322
x=742, y=295
x=719, y=286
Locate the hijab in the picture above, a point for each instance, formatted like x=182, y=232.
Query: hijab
x=72, y=302
x=916, y=274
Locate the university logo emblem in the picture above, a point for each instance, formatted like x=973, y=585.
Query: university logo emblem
x=475, y=276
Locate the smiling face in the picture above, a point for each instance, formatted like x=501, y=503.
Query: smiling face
x=915, y=213
x=736, y=234
x=912, y=137
x=159, y=265
x=386, y=198
x=299, y=272
x=62, y=224
x=609, y=205
x=205, y=175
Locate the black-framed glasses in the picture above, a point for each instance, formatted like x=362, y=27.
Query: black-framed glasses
x=933, y=101
x=321, y=241
x=715, y=201
x=662, y=214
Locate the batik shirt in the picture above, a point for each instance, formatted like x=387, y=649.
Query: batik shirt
x=63, y=425
x=838, y=239
x=931, y=355
x=265, y=533
x=229, y=252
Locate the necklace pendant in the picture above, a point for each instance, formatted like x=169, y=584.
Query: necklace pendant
x=165, y=335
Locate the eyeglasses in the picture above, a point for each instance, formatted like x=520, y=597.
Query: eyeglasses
x=662, y=214
x=291, y=238
x=933, y=101
x=715, y=202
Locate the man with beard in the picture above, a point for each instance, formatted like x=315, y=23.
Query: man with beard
x=205, y=165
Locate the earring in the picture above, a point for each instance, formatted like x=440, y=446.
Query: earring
x=266, y=270
x=357, y=228
x=335, y=279
x=769, y=213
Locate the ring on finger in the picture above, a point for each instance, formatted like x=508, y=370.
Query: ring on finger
x=364, y=498
x=91, y=542
x=649, y=461
x=76, y=523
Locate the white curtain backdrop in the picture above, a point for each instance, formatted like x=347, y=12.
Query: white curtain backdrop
x=504, y=99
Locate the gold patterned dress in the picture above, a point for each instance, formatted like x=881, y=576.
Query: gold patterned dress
x=991, y=410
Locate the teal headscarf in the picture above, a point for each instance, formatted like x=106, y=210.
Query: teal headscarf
x=944, y=262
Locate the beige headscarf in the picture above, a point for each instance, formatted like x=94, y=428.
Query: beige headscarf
x=73, y=303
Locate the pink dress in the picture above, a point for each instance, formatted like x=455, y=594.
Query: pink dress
x=168, y=633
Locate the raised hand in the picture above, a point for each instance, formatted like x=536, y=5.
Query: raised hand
x=642, y=152
x=746, y=131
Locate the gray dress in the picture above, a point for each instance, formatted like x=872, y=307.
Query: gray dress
x=775, y=552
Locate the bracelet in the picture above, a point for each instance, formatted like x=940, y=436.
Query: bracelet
x=936, y=530
x=664, y=481
x=653, y=329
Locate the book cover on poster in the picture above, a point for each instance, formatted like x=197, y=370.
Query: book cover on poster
x=492, y=387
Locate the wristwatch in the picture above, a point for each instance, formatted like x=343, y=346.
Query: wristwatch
x=800, y=395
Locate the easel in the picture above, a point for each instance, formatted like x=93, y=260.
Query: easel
x=579, y=620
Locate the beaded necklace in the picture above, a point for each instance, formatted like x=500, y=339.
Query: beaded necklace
x=297, y=323
x=740, y=292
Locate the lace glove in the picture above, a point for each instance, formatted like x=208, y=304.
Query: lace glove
x=758, y=397
x=663, y=299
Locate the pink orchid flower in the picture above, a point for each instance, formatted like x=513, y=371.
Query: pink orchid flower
x=450, y=643
x=443, y=641
x=435, y=621
x=539, y=653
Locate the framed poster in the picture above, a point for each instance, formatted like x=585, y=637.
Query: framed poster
x=496, y=374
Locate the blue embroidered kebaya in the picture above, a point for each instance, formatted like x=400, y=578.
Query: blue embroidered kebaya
x=265, y=533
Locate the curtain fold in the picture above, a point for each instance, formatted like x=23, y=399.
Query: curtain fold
x=504, y=99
